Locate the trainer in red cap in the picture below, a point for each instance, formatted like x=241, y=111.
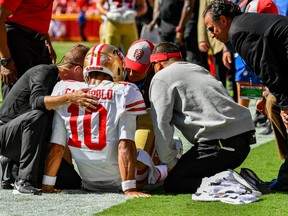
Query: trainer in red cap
x=262, y=6
x=137, y=60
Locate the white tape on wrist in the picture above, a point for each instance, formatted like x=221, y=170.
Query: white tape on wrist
x=49, y=180
x=163, y=172
x=129, y=184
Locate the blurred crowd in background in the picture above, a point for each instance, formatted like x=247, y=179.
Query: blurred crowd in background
x=74, y=6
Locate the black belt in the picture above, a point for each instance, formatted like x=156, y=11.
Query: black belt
x=35, y=35
x=250, y=139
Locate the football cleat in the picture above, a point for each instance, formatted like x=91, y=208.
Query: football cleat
x=25, y=187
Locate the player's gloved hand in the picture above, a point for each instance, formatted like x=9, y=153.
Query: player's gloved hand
x=49, y=189
x=114, y=16
x=129, y=16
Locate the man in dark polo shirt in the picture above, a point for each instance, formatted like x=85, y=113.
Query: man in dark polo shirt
x=25, y=117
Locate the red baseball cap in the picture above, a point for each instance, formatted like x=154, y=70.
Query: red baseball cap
x=138, y=56
x=262, y=6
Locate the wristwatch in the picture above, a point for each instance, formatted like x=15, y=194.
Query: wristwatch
x=5, y=61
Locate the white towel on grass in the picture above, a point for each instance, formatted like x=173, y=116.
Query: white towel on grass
x=225, y=188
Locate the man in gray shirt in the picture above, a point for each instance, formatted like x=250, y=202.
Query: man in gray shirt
x=186, y=96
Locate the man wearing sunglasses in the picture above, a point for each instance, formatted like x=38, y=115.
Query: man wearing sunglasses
x=261, y=40
x=26, y=119
x=186, y=96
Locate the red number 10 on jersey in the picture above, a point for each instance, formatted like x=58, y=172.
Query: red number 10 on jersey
x=87, y=130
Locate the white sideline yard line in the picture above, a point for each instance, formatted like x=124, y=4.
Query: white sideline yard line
x=66, y=203
x=262, y=139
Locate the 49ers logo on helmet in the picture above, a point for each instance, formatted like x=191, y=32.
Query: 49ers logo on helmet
x=138, y=54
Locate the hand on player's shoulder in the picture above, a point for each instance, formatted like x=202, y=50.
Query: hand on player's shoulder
x=83, y=99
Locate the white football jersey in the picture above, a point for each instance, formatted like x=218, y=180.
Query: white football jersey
x=116, y=4
x=93, y=137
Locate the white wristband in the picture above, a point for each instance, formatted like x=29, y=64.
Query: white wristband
x=129, y=184
x=49, y=180
x=163, y=172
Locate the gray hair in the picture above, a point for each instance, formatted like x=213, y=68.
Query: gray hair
x=222, y=8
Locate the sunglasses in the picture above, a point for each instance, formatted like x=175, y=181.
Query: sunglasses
x=211, y=29
x=75, y=64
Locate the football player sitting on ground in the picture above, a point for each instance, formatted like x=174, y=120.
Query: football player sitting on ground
x=102, y=141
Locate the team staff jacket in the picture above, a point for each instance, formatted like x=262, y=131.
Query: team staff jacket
x=186, y=96
x=93, y=137
x=264, y=49
x=29, y=92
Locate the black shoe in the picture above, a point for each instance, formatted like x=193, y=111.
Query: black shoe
x=254, y=180
x=268, y=130
x=6, y=177
x=25, y=187
x=7, y=185
x=241, y=180
x=259, y=119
